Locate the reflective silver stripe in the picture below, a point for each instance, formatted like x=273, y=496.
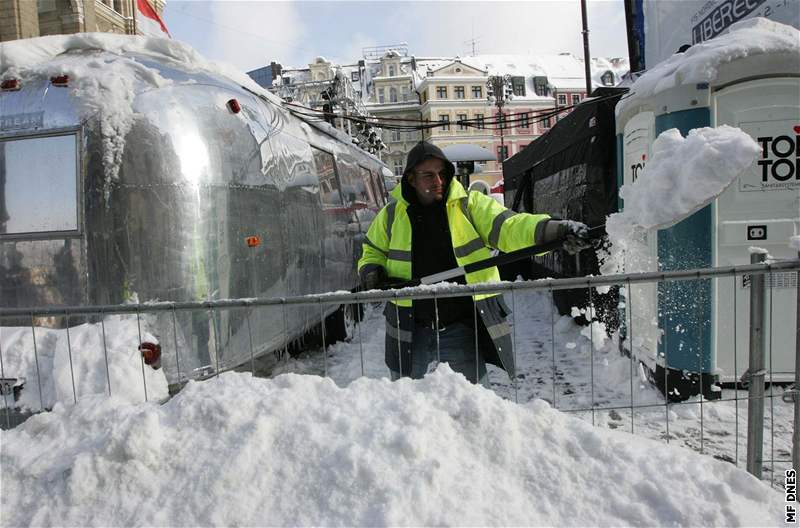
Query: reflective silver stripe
x=399, y=254
x=469, y=248
x=400, y=335
x=464, y=202
x=390, y=220
x=368, y=242
x=499, y=330
x=494, y=236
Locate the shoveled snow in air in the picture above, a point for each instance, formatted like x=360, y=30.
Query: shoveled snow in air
x=299, y=450
x=683, y=175
x=701, y=62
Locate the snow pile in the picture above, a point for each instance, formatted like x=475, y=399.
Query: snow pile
x=701, y=62
x=298, y=450
x=79, y=352
x=683, y=175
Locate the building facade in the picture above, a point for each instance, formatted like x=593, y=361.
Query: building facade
x=499, y=102
x=34, y=18
x=394, y=100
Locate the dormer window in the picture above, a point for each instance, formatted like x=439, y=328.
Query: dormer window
x=391, y=71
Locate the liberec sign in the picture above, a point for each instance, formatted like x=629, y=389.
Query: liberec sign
x=664, y=26
x=721, y=17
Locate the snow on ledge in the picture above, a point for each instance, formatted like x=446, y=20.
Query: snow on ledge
x=701, y=62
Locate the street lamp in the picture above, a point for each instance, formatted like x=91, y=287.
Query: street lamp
x=498, y=93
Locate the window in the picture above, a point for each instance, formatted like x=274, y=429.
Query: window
x=395, y=135
x=502, y=153
x=540, y=86
x=328, y=179
x=398, y=167
x=381, y=95
x=562, y=99
x=366, y=187
x=392, y=95
x=441, y=92
x=354, y=76
x=524, y=120
x=546, y=122
x=445, y=120
x=477, y=92
x=479, y=121
x=518, y=86
x=501, y=119
x=459, y=92
x=391, y=71
x=462, y=117
x=404, y=92
x=576, y=98
x=38, y=198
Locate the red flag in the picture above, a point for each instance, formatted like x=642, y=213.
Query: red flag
x=148, y=22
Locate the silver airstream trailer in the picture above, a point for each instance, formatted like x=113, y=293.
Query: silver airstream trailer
x=131, y=169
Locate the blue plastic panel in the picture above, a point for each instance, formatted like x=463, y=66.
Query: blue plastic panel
x=685, y=308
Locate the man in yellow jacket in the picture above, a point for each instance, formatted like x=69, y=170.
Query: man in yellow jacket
x=432, y=225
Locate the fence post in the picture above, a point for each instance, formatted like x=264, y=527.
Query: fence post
x=796, y=435
x=756, y=371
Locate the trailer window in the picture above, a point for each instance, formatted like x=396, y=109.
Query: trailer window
x=38, y=185
x=369, y=190
x=328, y=179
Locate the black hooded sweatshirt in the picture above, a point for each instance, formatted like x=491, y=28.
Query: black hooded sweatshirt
x=432, y=252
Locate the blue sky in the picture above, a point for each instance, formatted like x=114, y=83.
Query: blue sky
x=251, y=33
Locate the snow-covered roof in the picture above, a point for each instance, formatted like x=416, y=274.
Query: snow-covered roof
x=29, y=57
x=701, y=62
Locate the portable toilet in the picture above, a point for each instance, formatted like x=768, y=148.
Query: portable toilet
x=692, y=334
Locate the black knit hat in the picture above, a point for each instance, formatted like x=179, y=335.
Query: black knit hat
x=424, y=150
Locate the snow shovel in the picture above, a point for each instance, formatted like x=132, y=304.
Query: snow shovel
x=498, y=260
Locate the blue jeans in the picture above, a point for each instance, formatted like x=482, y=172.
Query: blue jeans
x=456, y=347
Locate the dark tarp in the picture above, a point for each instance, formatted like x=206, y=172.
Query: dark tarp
x=568, y=172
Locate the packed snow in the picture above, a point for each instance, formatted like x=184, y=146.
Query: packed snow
x=701, y=62
x=56, y=360
x=299, y=450
x=356, y=449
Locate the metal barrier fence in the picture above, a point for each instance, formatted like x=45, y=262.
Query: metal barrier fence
x=581, y=399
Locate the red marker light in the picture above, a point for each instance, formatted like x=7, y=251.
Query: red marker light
x=253, y=241
x=797, y=129
x=60, y=80
x=10, y=85
x=234, y=106
x=151, y=352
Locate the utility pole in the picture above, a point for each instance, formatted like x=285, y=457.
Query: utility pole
x=586, y=57
x=498, y=93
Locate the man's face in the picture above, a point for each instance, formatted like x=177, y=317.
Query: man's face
x=429, y=179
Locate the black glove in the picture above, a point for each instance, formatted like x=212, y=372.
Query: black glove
x=374, y=279
x=574, y=234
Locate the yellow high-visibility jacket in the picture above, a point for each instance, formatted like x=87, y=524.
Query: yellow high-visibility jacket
x=477, y=223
